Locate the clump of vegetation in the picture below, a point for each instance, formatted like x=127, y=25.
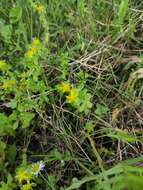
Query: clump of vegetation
x=71, y=95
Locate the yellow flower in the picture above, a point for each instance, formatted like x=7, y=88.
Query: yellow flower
x=31, y=52
x=2, y=65
x=40, y=8
x=73, y=94
x=27, y=186
x=8, y=84
x=64, y=87
x=23, y=175
x=36, y=42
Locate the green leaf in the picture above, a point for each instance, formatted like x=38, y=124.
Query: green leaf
x=26, y=118
x=56, y=155
x=52, y=181
x=101, y=110
x=8, y=185
x=6, y=125
x=121, y=135
x=6, y=32
x=15, y=14
x=89, y=127
x=76, y=184
x=11, y=154
x=84, y=100
x=13, y=103
x=122, y=10
x=2, y=150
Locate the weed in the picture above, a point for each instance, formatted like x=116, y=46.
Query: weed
x=71, y=95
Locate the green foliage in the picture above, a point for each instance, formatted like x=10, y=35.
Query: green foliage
x=8, y=185
x=123, y=8
x=15, y=14
x=5, y=31
x=71, y=94
x=89, y=128
x=2, y=152
x=101, y=110
x=11, y=154
x=64, y=65
x=6, y=123
x=119, y=177
x=78, y=96
x=84, y=100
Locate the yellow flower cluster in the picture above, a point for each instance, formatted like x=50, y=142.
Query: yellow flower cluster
x=3, y=65
x=35, y=42
x=40, y=8
x=30, y=53
x=23, y=175
x=64, y=87
x=9, y=84
x=28, y=174
x=72, y=92
x=33, y=49
x=28, y=186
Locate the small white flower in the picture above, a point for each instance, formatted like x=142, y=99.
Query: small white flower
x=41, y=165
x=37, y=167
